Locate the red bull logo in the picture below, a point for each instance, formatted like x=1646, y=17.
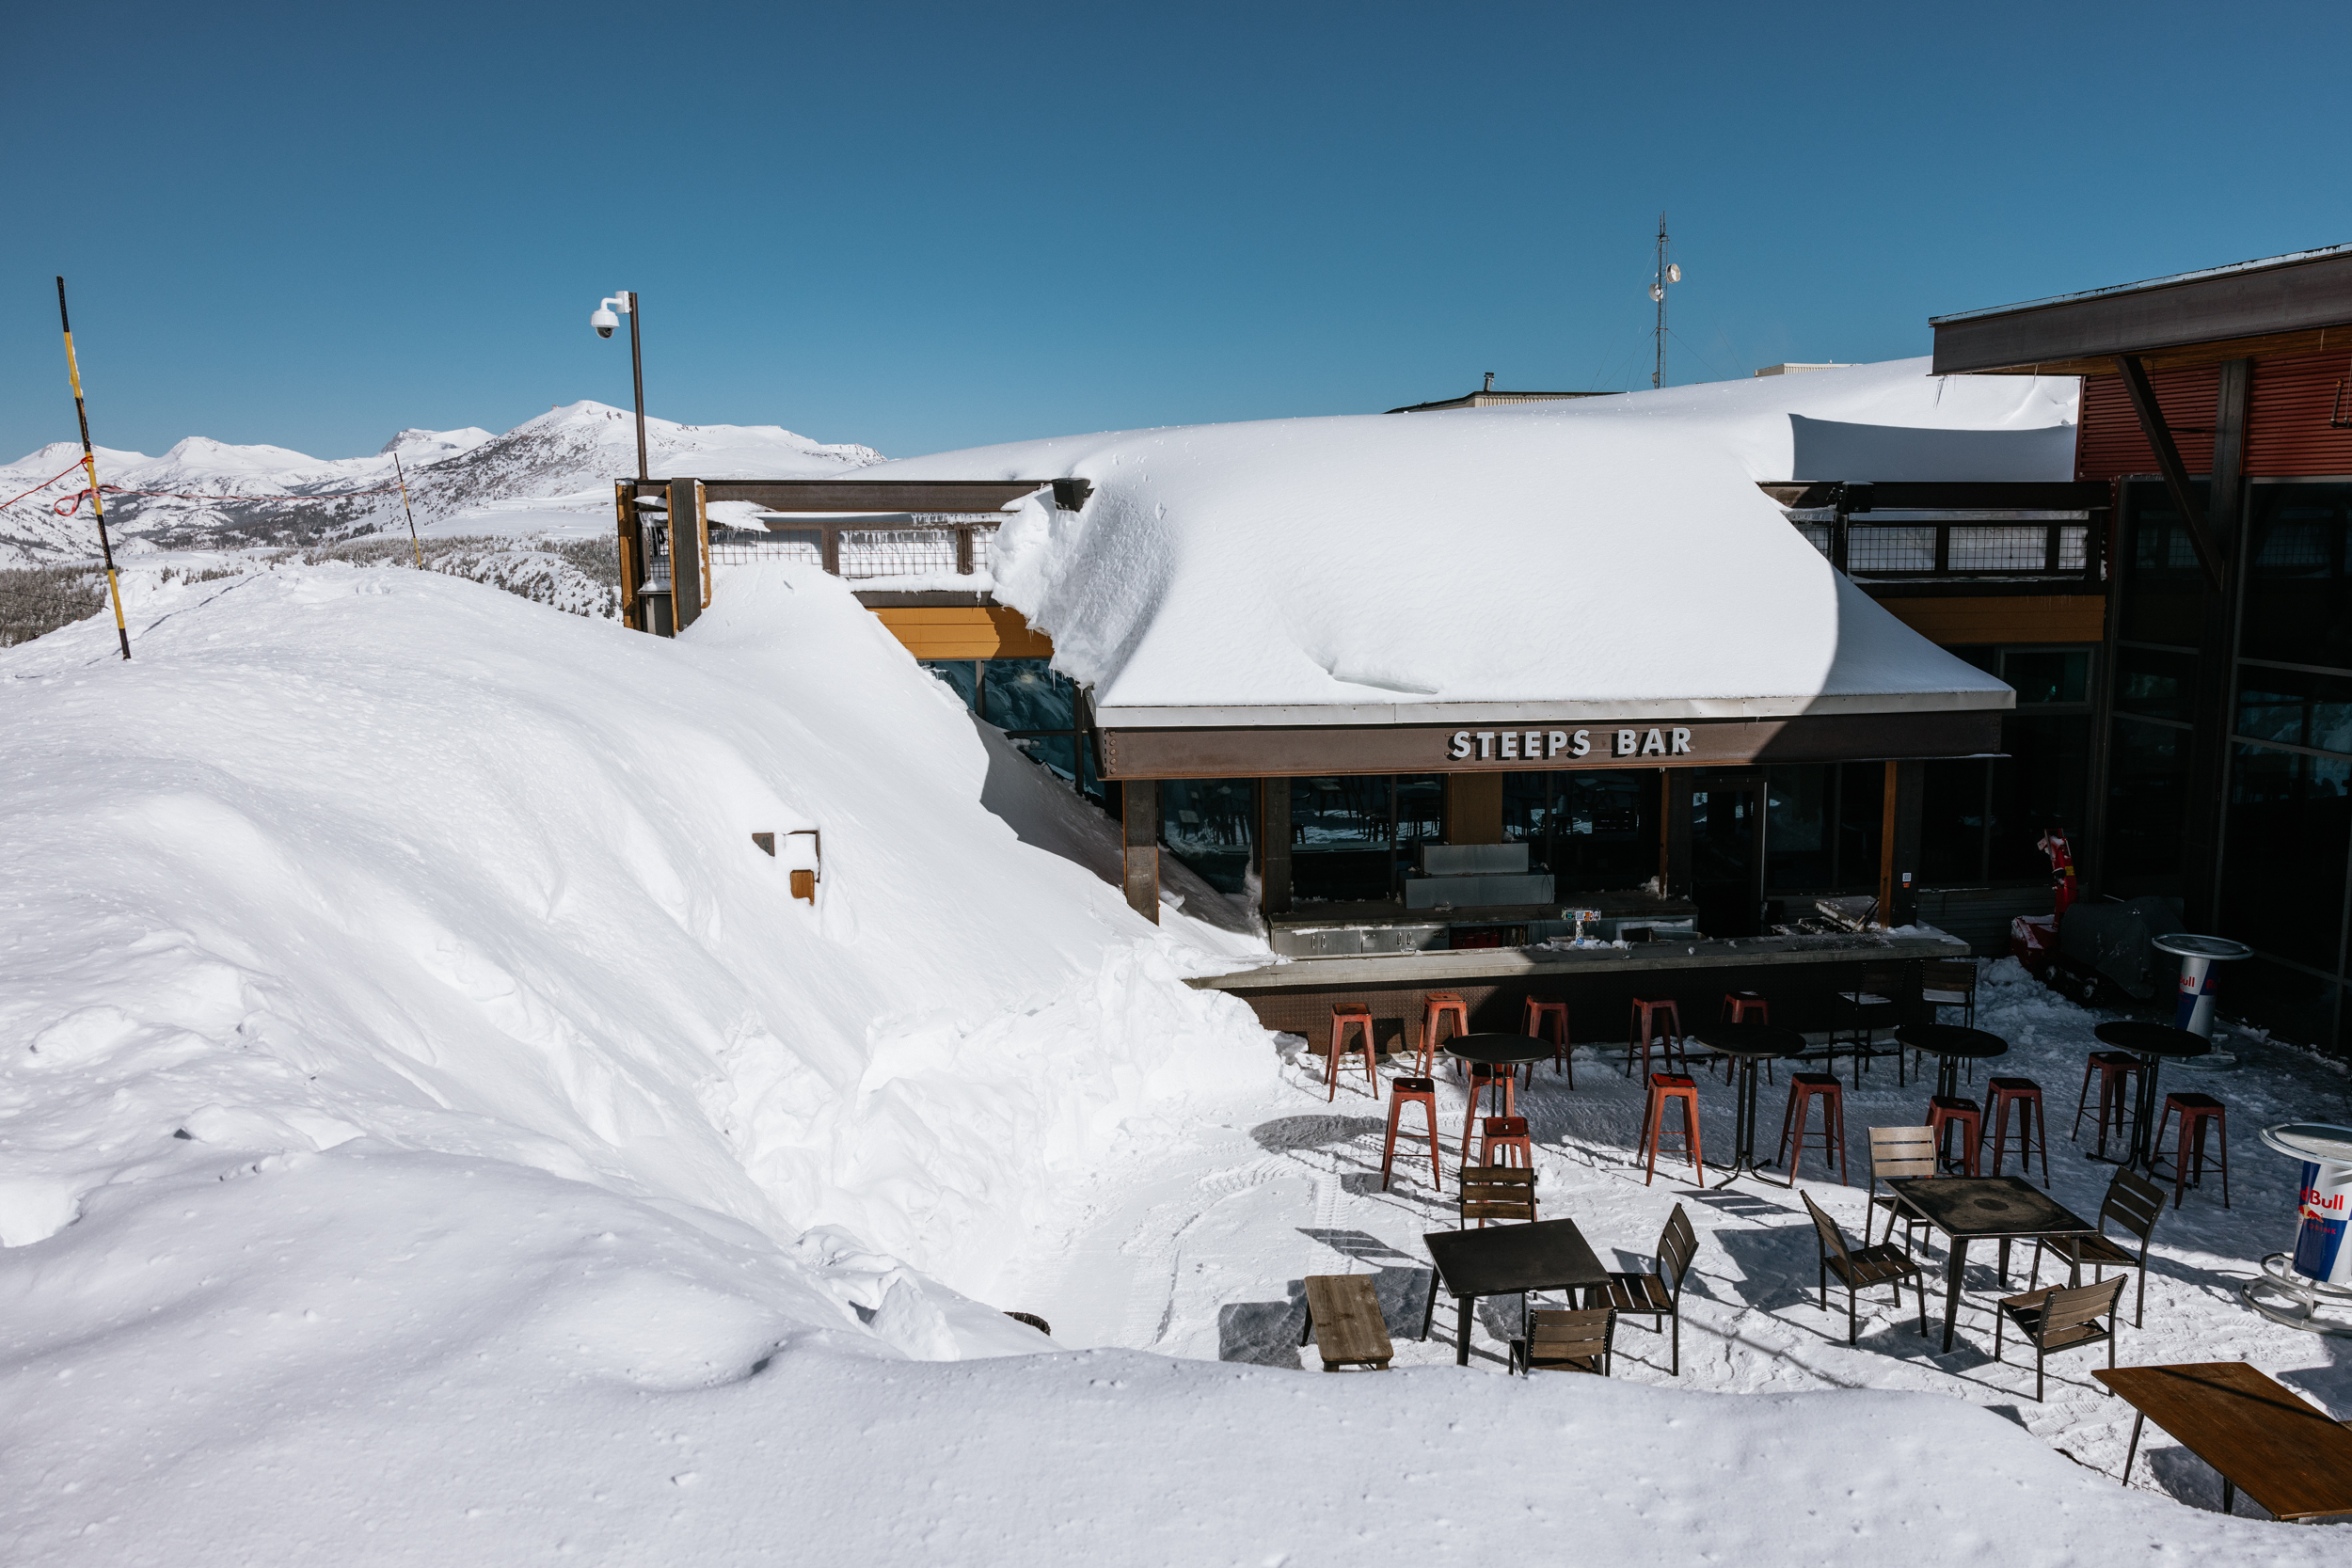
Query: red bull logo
x=2319, y=1250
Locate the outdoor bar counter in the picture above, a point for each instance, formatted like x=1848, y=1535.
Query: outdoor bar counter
x=1797, y=975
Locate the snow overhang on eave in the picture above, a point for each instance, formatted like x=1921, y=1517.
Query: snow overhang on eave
x=1580, y=710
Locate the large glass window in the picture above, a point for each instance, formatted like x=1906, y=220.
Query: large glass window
x=2283, y=871
x=2147, y=773
x=1211, y=826
x=2164, y=588
x=1800, y=827
x=2156, y=684
x=2044, y=782
x=1606, y=829
x=2296, y=707
x=1037, y=708
x=1952, y=822
x=2298, y=596
x=1343, y=837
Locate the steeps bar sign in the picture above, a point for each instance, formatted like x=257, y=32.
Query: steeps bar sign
x=1543, y=745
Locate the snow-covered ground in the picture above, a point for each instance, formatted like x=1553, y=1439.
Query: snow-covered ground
x=551, y=475
x=430, y=1133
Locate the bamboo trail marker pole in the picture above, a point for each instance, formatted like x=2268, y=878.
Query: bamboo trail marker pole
x=412, y=516
x=89, y=465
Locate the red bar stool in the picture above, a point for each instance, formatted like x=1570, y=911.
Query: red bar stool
x=1435, y=1006
x=2112, y=1067
x=1659, y=1021
x=1484, y=1083
x=1665, y=1086
x=1504, y=1135
x=2196, y=1110
x=2032, y=1128
x=1346, y=1014
x=1804, y=1088
x=1947, y=1112
x=1423, y=1093
x=1540, y=1011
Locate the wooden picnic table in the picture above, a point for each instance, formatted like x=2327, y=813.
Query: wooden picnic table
x=2254, y=1429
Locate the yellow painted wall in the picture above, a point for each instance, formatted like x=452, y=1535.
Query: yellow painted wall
x=966, y=631
x=2021, y=618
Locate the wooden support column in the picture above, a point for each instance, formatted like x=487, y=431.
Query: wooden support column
x=1899, y=852
x=1678, y=790
x=1139, y=837
x=2216, y=660
x=632, y=557
x=1473, y=808
x=690, y=552
x=1274, y=846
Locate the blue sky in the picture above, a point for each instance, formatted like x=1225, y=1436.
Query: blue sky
x=926, y=227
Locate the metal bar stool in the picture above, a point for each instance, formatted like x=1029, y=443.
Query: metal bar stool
x=1748, y=1007
x=1438, y=1005
x=2196, y=1110
x=1413, y=1091
x=1804, y=1088
x=1660, y=1021
x=2032, y=1128
x=1346, y=1014
x=1665, y=1086
x=2112, y=1067
x=1947, y=1112
x=1551, y=1009
x=1504, y=1135
x=1484, y=1082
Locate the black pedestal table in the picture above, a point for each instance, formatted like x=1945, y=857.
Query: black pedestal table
x=1746, y=1044
x=1950, y=1045
x=2151, y=1043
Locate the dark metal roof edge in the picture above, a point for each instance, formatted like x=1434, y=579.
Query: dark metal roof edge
x=2293, y=258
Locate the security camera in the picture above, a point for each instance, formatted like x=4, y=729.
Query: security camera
x=604, y=322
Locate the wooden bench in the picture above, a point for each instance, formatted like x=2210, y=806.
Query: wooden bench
x=1343, y=1318
x=2262, y=1440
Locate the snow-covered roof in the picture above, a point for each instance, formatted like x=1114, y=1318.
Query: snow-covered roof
x=1601, y=558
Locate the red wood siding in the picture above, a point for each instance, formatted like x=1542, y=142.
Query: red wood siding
x=2287, y=431
x=2110, y=442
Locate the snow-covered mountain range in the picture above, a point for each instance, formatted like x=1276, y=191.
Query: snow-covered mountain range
x=217, y=494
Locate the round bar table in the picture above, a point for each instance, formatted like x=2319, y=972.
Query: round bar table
x=1950, y=1045
x=2198, y=954
x=1746, y=1044
x=2151, y=1043
x=1511, y=1051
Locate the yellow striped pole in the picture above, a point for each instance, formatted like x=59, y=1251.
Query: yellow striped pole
x=412, y=516
x=89, y=465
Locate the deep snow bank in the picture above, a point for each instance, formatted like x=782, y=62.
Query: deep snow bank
x=376, y=857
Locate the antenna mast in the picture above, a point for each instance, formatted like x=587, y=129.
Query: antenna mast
x=1668, y=275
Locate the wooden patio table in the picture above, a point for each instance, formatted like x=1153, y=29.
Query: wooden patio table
x=1984, y=1208
x=1505, y=1260
x=2250, y=1428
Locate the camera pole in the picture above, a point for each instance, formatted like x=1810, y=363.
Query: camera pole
x=89, y=465
x=637, y=374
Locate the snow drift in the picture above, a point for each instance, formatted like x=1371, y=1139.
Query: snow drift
x=1383, y=568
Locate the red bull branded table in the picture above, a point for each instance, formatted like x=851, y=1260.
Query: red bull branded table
x=2300, y=1289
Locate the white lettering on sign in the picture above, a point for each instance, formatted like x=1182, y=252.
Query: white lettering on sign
x=1538, y=745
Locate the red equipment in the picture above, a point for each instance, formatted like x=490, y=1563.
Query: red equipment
x=2032, y=940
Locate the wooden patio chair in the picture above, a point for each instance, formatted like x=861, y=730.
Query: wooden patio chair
x=1578, y=1341
x=1857, y=1268
x=1655, y=1294
x=2134, y=1204
x=1951, y=983
x=1343, y=1318
x=1497, y=1192
x=1897, y=1152
x=2058, y=1318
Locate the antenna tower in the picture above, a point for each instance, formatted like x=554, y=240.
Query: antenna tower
x=1668, y=275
